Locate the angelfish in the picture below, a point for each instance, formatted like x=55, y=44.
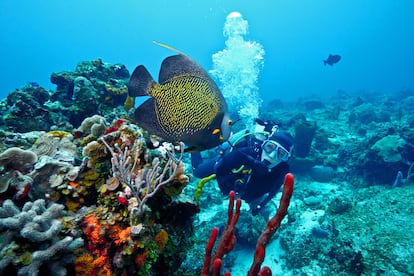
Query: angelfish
x=185, y=105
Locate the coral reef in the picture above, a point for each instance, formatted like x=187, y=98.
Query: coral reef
x=90, y=192
x=35, y=224
x=94, y=85
x=122, y=232
x=349, y=228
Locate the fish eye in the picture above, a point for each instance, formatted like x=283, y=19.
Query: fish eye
x=229, y=122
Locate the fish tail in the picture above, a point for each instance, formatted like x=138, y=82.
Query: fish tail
x=324, y=62
x=168, y=47
x=140, y=82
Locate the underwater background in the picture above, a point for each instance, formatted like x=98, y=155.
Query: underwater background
x=84, y=190
x=375, y=39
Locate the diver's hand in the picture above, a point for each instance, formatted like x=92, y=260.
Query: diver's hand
x=256, y=210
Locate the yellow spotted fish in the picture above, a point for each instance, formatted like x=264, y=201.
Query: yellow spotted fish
x=186, y=105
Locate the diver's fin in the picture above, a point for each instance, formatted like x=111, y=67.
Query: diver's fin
x=177, y=65
x=146, y=118
x=168, y=47
x=140, y=82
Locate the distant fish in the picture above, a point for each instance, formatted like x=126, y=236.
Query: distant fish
x=185, y=106
x=332, y=59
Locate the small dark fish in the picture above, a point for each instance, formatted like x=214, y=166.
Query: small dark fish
x=185, y=106
x=332, y=59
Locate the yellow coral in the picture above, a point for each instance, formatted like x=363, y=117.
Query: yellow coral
x=96, y=152
x=72, y=206
x=161, y=239
x=129, y=103
x=84, y=264
x=92, y=177
x=116, y=91
x=58, y=133
x=180, y=181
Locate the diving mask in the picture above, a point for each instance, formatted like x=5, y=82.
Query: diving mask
x=274, y=153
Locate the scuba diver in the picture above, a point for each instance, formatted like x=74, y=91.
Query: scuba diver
x=253, y=165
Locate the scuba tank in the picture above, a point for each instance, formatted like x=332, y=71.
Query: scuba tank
x=231, y=142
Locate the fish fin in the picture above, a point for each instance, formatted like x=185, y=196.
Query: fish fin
x=177, y=65
x=168, y=47
x=140, y=82
x=145, y=117
x=324, y=62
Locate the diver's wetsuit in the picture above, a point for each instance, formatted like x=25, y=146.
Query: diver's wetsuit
x=241, y=170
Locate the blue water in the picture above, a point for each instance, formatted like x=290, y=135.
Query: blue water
x=374, y=38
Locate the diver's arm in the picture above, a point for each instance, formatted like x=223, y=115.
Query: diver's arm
x=276, y=181
x=228, y=162
x=267, y=198
x=256, y=209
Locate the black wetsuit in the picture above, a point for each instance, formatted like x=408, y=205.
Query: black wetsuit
x=241, y=170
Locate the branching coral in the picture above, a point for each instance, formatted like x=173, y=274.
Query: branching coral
x=66, y=245
x=148, y=181
x=40, y=228
x=35, y=222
